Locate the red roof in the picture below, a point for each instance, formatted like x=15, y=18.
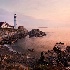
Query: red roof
x=1, y=23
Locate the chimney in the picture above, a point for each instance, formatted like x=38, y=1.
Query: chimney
x=14, y=21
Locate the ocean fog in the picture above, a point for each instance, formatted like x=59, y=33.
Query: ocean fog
x=47, y=42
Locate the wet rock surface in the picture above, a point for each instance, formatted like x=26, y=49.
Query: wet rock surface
x=36, y=33
x=55, y=59
x=9, y=36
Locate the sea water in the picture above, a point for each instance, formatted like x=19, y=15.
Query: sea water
x=47, y=42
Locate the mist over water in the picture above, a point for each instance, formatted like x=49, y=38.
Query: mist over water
x=47, y=42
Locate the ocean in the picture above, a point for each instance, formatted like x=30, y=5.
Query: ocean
x=47, y=42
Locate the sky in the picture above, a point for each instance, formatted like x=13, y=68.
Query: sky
x=55, y=12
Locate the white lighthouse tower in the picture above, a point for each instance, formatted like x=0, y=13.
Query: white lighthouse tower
x=15, y=21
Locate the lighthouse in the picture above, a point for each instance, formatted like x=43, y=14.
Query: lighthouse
x=15, y=21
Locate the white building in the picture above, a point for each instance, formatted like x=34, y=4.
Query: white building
x=5, y=25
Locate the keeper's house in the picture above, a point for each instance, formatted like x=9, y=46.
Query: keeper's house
x=5, y=25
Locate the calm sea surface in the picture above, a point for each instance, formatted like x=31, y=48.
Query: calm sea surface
x=47, y=42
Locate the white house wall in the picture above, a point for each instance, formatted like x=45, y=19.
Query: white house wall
x=5, y=26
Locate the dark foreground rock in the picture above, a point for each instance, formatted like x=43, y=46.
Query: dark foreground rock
x=55, y=59
x=11, y=60
x=36, y=33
